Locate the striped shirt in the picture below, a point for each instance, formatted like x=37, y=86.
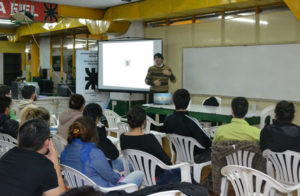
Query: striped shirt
x=156, y=73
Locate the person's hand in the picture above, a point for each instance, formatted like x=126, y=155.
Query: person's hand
x=118, y=172
x=157, y=83
x=166, y=72
x=52, y=155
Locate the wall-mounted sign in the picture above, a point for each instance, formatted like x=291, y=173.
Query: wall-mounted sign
x=42, y=12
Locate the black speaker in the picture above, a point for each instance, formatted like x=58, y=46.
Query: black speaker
x=46, y=86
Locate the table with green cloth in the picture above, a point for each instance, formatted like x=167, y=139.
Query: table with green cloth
x=220, y=114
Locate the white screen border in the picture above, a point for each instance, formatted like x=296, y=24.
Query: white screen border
x=157, y=48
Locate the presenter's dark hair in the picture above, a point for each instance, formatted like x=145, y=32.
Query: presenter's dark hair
x=181, y=98
x=285, y=111
x=4, y=103
x=239, y=106
x=92, y=110
x=76, y=101
x=33, y=134
x=28, y=91
x=4, y=90
x=136, y=117
x=159, y=55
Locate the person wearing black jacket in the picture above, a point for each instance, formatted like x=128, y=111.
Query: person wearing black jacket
x=94, y=111
x=7, y=125
x=137, y=140
x=282, y=135
x=181, y=123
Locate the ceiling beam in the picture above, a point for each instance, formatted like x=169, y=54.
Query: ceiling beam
x=67, y=11
x=153, y=9
x=294, y=6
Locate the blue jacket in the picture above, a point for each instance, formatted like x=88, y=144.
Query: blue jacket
x=91, y=161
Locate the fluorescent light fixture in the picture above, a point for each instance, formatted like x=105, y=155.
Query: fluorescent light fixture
x=4, y=21
x=77, y=46
x=244, y=20
x=246, y=14
x=249, y=20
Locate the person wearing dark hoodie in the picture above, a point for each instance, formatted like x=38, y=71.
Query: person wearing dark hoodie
x=282, y=135
x=29, y=97
x=7, y=125
x=76, y=106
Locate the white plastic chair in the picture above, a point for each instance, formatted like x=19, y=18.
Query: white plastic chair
x=211, y=131
x=219, y=100
x=112, y=120
x=184, y=147
x=53, y=120
x=265, y=113
x=158, y=135
x=59, y=143
x=122, y=128
x=241, y=158
x=147, y=163
x=74, y=179
x=286, y=166
x=250, y=182
x=5, y=147
x=8, y=138
x=167, y=193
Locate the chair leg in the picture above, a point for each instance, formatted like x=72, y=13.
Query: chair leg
x=172, y=153
x=126, y=166
x=197, y=170
x=224, y=186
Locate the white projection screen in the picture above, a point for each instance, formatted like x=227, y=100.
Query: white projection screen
x=262, y=71
x=123, y=65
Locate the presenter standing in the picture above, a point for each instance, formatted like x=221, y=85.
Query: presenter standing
x=158, y=76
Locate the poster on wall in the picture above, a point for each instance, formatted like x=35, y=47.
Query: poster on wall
x=42, y=12
x=87, y=78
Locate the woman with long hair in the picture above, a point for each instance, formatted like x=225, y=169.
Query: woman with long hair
x=83, y=154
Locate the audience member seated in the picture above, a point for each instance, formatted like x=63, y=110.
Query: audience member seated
x=181, y=123
x=238, y=129
x=5, y=91
x=76, y=105
x=94, y=111
x=7, y=125
x=32, y=168
x=282, y=135
x=35, y=113
x=136, y=139
x=29, y=97
x=83, y=154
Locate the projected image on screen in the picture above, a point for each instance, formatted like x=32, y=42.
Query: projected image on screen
x=123, y=65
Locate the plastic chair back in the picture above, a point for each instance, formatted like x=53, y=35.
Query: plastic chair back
x=5, y=147
x=8, y=138
x=247, y=181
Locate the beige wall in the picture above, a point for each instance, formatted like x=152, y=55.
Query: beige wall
x=281, y=27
